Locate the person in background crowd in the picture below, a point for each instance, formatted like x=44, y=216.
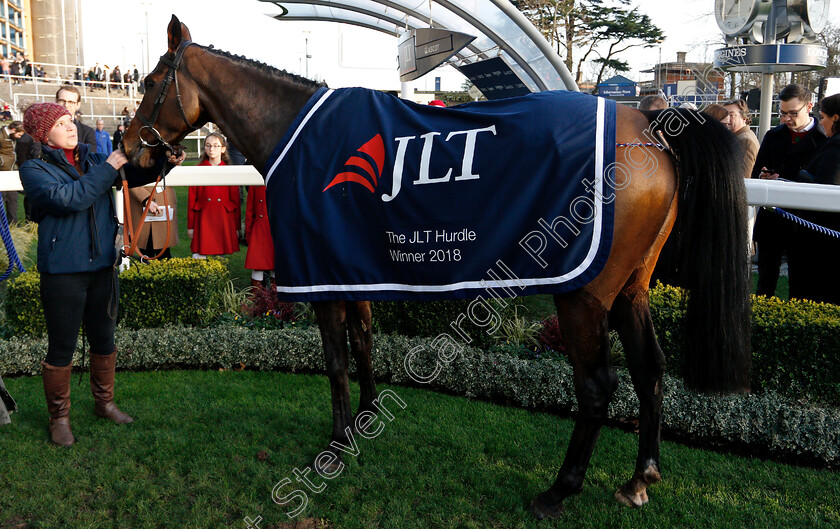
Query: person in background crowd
x=118, y=134
x=8, y=136
x=70, y=98
x=739, y=124
x=25, y=66
x=135, y=74
x=437, y=103
x=15, y=70
x=819, y=253
x=653, y=102
x=213, y=214
x=784, y=151
x=116, y=77
x=718, y=113
x=260, y=256
x=103, y=141
x=127, y=116
x=153, y=235
x=5, y=69
x=127, y=82
x=26, y=149
x=71, y=193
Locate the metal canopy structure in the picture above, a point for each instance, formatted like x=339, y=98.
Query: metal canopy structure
x=500, y=30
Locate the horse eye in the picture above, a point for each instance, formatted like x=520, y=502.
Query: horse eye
x=149, y=83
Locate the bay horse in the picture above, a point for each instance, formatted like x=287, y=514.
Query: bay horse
x=698, y=175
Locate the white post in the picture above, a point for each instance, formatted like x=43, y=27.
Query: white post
x=766, y=110
x=767, y=77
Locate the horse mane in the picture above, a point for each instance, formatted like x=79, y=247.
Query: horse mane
x=275, y=72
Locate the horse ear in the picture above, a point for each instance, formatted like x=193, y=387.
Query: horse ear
x=174, y=34
x=185, y=32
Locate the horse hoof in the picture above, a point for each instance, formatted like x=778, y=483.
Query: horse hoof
x=541, y=510
x=332, y=468
x=631, y=499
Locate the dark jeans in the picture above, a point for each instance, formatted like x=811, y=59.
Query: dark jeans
x=772, y=236
x=71, y=299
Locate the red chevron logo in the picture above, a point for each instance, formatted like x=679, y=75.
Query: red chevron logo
x=375, y=149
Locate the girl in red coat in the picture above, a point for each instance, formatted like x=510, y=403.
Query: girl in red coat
x=213, y=211
x=260, y=256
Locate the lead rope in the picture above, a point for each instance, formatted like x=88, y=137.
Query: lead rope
x=133, y=235
x=11, y=252
x=806, y=223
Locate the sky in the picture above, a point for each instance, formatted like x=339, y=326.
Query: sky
x=115, y=32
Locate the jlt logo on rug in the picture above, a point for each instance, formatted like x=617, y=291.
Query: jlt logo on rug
x=374, y=149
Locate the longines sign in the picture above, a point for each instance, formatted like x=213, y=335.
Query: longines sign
x=769, y=58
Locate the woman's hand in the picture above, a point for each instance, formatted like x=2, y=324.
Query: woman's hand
x=176, y=156
x=190, y=234
x=117, y=159
x=768, y=174
x=154, y=209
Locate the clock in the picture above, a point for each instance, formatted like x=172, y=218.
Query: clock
x=816, y=14
x=736, y=16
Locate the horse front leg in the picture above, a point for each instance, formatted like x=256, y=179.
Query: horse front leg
x=332, y=322
x=361, y=342
x=630, y=316
x=583, y=324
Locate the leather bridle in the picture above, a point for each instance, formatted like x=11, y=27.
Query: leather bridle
x=131, y=241
x=171, y=76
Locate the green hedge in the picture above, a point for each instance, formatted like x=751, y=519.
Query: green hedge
x=795, y=344
x=24, y=314
x=431, y=318
x=185, y=291
x=767, y=422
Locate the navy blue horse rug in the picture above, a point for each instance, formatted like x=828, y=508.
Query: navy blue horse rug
x=375, y=198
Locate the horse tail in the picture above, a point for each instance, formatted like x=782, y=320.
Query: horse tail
x=712, y=257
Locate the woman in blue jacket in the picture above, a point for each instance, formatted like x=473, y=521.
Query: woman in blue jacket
x=70, y=191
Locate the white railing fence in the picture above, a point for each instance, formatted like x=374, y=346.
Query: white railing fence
x=815, y=197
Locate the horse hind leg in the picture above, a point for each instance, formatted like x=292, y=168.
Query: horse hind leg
x=361, y=342
x=630, y=316
x=583, y=323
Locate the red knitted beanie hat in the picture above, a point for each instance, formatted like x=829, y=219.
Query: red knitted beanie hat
x=40, y=118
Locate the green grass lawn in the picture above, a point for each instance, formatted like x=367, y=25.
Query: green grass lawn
x=207, y=449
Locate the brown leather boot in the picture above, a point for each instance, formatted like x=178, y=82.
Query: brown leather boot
x=102, y=385
x=57, y=392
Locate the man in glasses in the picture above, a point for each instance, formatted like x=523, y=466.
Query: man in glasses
x=70, y=98
x=784, y=151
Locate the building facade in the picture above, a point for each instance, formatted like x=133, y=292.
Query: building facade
x=46, y=31
x=683, y=77
x=13, y=34
x=56, y=34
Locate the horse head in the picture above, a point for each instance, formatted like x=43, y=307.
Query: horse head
x=170, y=108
